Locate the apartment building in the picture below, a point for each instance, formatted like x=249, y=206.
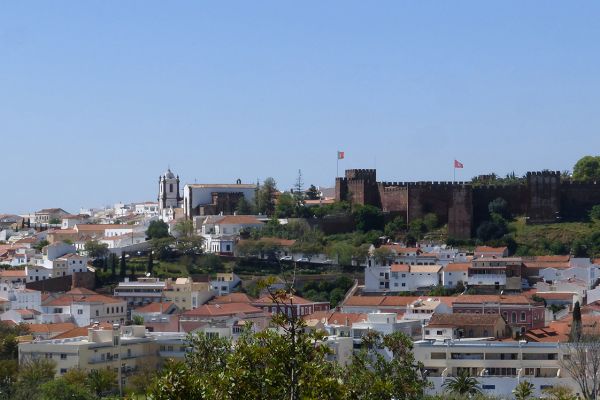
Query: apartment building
x=142, y=291
x=497, y=366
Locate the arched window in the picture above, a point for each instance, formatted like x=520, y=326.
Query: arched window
x=514, y=316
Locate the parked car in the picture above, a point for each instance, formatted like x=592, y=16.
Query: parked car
x=302, y=259
x=286, y=258
x=328, y=261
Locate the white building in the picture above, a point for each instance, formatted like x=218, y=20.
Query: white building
x=196, y=197
x=141, y=292
x=454, y=273
x=497, y=366
x=224, y=283
x=401, y=278
x=148, y=209
x=21, y=297
x=220, y=231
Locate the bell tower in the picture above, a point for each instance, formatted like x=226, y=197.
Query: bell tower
x=168, y=191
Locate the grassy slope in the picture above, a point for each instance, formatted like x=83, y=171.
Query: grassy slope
x=537, y=237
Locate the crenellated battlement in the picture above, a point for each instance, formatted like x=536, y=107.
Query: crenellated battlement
x=366, y=174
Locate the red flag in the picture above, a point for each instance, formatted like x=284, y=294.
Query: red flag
x=458, y=164
x=340, y=155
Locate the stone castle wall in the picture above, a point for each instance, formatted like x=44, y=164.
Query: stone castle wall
x=542, y=197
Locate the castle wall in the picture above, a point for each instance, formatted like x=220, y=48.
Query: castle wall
x=543, y=202
x=515, y=195
x=394, y=198
x=542, y=197
x=576, y=199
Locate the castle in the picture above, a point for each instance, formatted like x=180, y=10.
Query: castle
x=541, y=197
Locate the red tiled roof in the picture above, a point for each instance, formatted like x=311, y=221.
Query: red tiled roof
x=81, y=331
x=339, y=318
x=232, y=298
x=287, y=300
x=155, y=307
x=482, y=298
x=218, y=310
x=488, y=249
x=51, y=328
x=400, y=268
x=13, y=273
x=449, y=320
x=457, y=267
x=81, y=295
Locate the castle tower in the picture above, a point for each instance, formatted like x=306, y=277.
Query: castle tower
x=168, y=191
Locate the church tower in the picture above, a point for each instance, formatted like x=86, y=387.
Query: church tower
x=168, y=191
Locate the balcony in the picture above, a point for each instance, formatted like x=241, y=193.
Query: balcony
x=487, y=279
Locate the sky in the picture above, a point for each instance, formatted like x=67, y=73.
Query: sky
x=98, y=98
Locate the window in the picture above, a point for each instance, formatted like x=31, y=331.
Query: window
x=523, y=316
x=63, y=370
x=488, y=387
x=427, y=331
x=514, y=316
x=63, y=356
x=403, y=284
x=79, y=312
x=439, y=333
x=97, y=313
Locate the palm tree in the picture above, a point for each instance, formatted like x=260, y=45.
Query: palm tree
x=463, y=385
x=523, y=391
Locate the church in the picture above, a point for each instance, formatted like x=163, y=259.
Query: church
x=199, y=199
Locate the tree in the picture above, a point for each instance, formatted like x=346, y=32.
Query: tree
x=587, y=169
x=524, y=390
x=41, y=244
x=382, y=255
x=286, y=206
x=243, y=207
x=96, y=249
x=499, y=206
x=150, y=264
x=157, y=230
x=60, y=389
x=581, y=359
x=185, y=228
x=266, y=197
x=162, y=247
x=463, y=384
x=113, y=266
x=367, y=218
x=102, y=381
x=595, y=213
x=374, y=375
x=123, y=266
x=576, y=326
x=32, y=374
x=312, y=193
x=395, y=226
x=559, y=393
x=430, y=221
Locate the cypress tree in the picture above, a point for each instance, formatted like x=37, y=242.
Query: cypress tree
x=576, y=324
x=150, y=265
x=113, y=266
x=123, y=266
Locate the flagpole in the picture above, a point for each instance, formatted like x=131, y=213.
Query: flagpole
x=337, y=164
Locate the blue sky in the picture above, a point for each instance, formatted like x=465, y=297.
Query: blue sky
x=97, y=98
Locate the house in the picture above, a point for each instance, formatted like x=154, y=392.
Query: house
x=424, y=309
x=520, y=312
x=13, y=276
x=85, y=307
x=187, y=294
x=142, y=291
x=157, y=314
x=19, y=297
x=490, y=252
x=401, y=277
x=220, y=231
x=49, y=215
x=290, y=305
x=49, y=331
x=229, y=318
x=459, y=326
x=69, y=221
x=453, y=273
x=224, y=283
x=495, y=274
